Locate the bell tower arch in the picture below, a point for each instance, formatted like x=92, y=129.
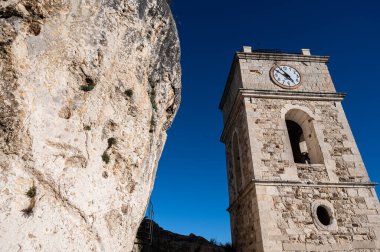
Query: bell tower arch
x=296, y=178
x=303, y=139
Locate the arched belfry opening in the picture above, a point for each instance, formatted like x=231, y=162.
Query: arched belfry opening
x=297, y=140
x=303, y=139
x=236, y=162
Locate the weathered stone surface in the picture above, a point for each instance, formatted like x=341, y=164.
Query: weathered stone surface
x=275, y=196
x=87, y=92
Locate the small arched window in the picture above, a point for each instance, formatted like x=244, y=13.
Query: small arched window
x=236, y=162
x=303, y=139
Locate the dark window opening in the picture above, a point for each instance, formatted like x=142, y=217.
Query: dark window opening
x=323, y=215
x=298, y=143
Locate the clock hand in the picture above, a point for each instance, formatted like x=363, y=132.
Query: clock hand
x=281, y=73
x=285, y=74
x=290, y=78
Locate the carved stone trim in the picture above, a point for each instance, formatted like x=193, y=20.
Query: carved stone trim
x=292, y=95
x=281, y=56
x=330, y=210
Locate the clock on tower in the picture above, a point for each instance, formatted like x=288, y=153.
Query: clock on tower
x=296, y=179
x=285, y=76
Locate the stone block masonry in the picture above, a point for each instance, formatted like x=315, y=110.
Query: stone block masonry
x=296, y=178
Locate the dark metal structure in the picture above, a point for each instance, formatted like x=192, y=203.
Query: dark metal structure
x=145, y=233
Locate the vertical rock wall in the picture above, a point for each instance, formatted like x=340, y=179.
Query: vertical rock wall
x=87, y=92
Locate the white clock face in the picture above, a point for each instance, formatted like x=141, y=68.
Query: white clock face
x=286, y=76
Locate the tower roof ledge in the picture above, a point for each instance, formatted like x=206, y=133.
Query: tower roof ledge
x=264, y=54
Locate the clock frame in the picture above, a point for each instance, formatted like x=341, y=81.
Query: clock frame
x=271, y=73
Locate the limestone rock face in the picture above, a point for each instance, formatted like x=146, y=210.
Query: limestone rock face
x=87, y=92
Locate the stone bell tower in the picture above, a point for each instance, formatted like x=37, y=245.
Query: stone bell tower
x=296, y=179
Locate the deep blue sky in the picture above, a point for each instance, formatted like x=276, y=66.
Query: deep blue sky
x=190, y=193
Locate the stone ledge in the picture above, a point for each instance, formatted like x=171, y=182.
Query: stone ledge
x=364, y=245
x=294, y=246
x=318, y=184
x=328, y=247
x=293, y=183
x=292, y=95
x=272, y=94
x=281, y=56
x=266, y=56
